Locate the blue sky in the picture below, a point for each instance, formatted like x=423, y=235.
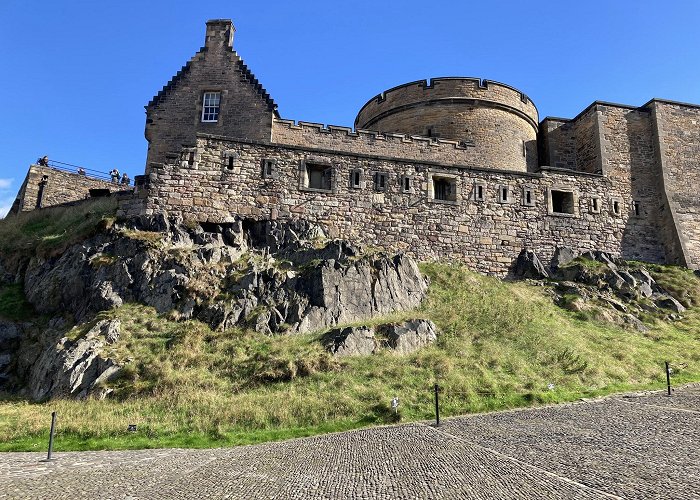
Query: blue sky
x=75, y=75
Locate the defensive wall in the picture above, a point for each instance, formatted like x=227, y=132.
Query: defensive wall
x=49, y=186
x=227, y=179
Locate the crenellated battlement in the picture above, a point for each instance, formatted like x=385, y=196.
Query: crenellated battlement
x=447, y=90
x=345, y=139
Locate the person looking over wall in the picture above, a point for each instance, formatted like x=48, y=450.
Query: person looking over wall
x=114, y=174
x=125, y=179
x=81, y=171
x=43, y=161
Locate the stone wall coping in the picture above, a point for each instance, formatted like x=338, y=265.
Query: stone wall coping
x=669, y=101
x=612, y=105
x=568, y=171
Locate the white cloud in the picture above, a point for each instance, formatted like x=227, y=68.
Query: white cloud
x=5, y=183
x=3, y=210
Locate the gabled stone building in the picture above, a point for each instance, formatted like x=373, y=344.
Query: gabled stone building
x=451, y=168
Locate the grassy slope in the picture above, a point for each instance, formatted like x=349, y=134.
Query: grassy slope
x=501, y=345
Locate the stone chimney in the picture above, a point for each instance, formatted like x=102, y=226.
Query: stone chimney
x=219, y=33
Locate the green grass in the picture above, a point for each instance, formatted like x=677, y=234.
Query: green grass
x=501, y=344
x=13, y=304
x=52, y=229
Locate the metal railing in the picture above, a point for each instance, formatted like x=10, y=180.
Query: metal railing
x=78, y=169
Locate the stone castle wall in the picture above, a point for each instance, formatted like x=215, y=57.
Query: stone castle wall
x=677, y=132
x=487, y=235
x=46, y=187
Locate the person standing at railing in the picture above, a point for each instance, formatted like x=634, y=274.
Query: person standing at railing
x=114, y=174
x=81, y=171
x=43, y=161
x=125, y=179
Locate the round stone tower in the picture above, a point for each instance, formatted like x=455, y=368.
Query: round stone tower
x=500, y=122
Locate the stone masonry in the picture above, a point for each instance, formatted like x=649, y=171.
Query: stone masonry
x=48, y=186
x=447, y=168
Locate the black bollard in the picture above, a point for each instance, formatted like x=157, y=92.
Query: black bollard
x=437, y=406
x=53, y=426
x=668, y=378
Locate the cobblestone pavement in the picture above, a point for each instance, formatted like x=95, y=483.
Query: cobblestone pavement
x=633, y=446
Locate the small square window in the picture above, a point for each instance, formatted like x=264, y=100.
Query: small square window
x=595, y=205
x=380, y=181
x=528, y=197
x=211, y=103
x=443, y=188
x=356, y=179
x=269, y=168
x=479, y=191
x=317, y=176
x=562, y=202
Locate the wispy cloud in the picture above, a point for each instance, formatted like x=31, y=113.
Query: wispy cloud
x=5, y=183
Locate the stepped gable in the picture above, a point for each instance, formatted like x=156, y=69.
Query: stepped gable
x=246, y=75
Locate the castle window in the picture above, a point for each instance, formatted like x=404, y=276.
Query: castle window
x=211, y=103
x=406, y=184
x=229, y=164
x=616, y=206
x=317, y=176
x=635, y=208
x=595, y=205
x=380, y=181
x=356, y=179
x=528, y=197
x=561, y=202
x=479, y=191
x=268, y=168
x=503, y=194
x=442, y=188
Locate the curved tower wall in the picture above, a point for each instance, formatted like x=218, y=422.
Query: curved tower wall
x=499, y=121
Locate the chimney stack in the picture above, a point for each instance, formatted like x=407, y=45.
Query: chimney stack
x=219, y=33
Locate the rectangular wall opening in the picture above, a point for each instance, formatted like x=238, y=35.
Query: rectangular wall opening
x=562, y=202
x=444, y=189
x=319, y=176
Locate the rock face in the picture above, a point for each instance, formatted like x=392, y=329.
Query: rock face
x=351, y=341
x=529, y=265
x=411, y=335
x=73, y=368
x=402, y=338
x=270, y=276
x=612, y=289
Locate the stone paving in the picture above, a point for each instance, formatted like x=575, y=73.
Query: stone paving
x=632, y=446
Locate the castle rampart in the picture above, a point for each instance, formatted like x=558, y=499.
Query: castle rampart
x=47, y=186
x=486, y=231
x=500, y=121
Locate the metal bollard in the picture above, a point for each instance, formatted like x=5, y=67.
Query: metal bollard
x=53, y=427
x=668, y=378
x=437, y=406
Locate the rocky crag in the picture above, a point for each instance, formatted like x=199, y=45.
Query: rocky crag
x=276, y=278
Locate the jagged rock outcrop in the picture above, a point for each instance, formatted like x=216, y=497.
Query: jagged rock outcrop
x=403, y=338
x=528, y=265
x=271, y=276
x=351, y=341
x=70, y=367
x=285, y=283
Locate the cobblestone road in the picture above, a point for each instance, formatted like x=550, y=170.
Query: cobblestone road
x=643, y=446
